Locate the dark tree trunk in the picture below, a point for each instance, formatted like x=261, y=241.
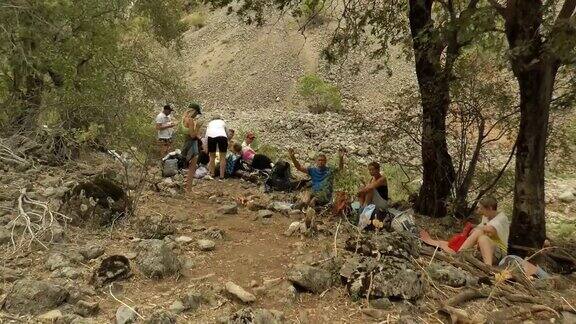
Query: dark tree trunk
x=438, y=169
x=535, y=69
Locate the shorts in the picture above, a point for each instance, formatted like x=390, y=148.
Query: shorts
x=378, y=201
x=190, y=149
x=164, y=141
x=221, y=142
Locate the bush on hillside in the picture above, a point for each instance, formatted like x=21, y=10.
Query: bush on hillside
x=195, y=19
x=320, y=96
x=312, y=12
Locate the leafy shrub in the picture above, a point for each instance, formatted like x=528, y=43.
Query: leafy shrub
x=312, y=11
x=320, y=95
x=196, y=19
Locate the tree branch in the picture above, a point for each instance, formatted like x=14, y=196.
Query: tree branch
x=498, y=7
x=567, y=10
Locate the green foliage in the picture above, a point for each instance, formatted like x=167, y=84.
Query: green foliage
x=196, y=19
x=311, y=11
x=92, y=68
x=320, y=95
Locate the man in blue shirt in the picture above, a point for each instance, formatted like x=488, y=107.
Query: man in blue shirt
x=322, y=177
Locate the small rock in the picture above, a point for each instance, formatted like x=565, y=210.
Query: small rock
x=568, y=318
x=51, y=316
x=161, y=317
x=156, y=259
x=239, y=292
x=86, y=309
x=125, y=315
x=33, y=297
x=5, y=236
x=447, y=274
x=295, y=227
x=67, y=272
x=56, y=261
x=310, y=278
x=374, y=313
x=229, y=209
x=8, y=275
x=281, y=207
x=184, y=239
x=91, y=252
x=192, y=300
x=189, y=263
x=206, y=245
x=177, y=307
x=567, y=197
x=381, y=303
x=264, y=213
x=253, y=283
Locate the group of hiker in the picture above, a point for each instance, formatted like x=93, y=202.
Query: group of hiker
x=489, y=238
x=218, y=138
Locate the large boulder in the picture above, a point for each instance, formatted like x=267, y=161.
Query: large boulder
x=385, y=268
x=156, y=259
x=29, y=296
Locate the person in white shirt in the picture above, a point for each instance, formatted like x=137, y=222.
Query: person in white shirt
x=491, y=235
x=165, y=127
x=218, y=136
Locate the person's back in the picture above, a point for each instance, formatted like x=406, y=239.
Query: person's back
x=216, y=128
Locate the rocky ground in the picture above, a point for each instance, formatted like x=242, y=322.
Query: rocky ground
x=229, y=253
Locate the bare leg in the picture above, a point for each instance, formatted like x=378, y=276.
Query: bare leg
x=486, y=247
x=222, y=156
x=191, y=173
x=426, y=238
x=369, y=197
x=212, y=164
x=472, y=239
x=362, y=199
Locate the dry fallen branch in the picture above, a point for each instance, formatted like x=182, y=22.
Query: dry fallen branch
x=465, y=296
x=37, y=219
x=7, y=155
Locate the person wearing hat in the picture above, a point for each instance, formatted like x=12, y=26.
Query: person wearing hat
x=165, y=127
x=191, y=146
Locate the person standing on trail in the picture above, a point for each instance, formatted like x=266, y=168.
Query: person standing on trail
x=218, y=136
x=376, y=192
x=165, y=126
x=322, y=177
x=191, y=148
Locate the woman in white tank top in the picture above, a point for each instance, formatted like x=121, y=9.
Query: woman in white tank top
x=218, y=136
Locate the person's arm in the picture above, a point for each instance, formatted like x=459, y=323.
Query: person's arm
x=374, y=184
x=297, y=164
x=490, y=231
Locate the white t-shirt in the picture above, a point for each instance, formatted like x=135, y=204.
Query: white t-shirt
x=216, y=128
x=162, y=119
x=502, y=226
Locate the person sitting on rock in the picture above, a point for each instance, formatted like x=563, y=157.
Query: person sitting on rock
x=255, y=160
x=376, y=191
x=490, y=237
x=322, y=177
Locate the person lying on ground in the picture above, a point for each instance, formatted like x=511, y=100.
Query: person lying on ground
x=165, y=127
x=322, y=177
x=191, y=149
x=255, y=160
x=218, y=136
x=376, y=191
x=490, y=237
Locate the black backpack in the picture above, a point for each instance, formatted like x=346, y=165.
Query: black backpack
x=280, y=177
